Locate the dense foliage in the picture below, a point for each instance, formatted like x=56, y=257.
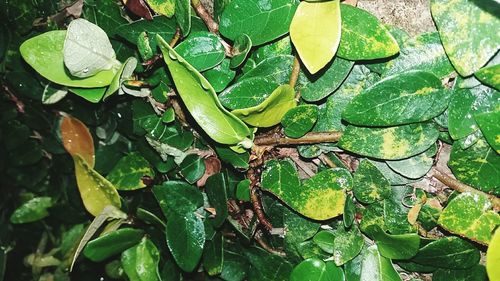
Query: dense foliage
x=269, y=140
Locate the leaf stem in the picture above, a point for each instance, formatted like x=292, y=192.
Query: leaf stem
x=177, y=36
x=462, y=187
x=309, y=138
x=295, y=72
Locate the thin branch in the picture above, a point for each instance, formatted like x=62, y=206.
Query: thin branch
x=205, y=16
x=461, y=187
x=176, y=37
x=13, y=98
x=257, y=207
x=267, y=247
x=295, y=72
x=309, y=138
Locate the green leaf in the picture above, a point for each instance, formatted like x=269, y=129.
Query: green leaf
x=128, y=172
x=315, y=33
x=318, y=86
x=399, y=246
x=316, y=270
x=247, y=93
x=237, y=160
x=241, y=48
x=203, y=50
x=465, y=104
x=45, y=54
x=299, y=120
x=185, y=239
x=448, y=252
x=414, y=167
x=371, y=266
x=276, y=48
x=423, y=52
x=104, y=13
x=324, y=239
x=85, y=39
x=215, y=189
x=213, y=255
x=363, y=37
x=490, y=127
x=183, y=15
x=477, y=165
x=261, y=20
x=266, y=266
x=126, y=71
x=468, y=32
x=177, y=198
x=490, y=75
x=33, y=210
x=192, y=168
x=475, y=273
x=201, y=101
x=93, y=95
x=243, y=190
x=347, y=244
x=493, y=256
x=389, y=143
x=53, y=93
x=140, y=263
x=220, y=76
x=160, y=25
x=369, y=184
x=96, y=191
x=396, y=213
x=276, y=69
x=470, y=215
x=112, y=243
x=162, y=7
x=320, y=197
x=271, y=110
x=405, y=98
x=349, y=211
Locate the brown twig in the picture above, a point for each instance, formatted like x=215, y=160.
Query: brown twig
x=205, y=16
x=327, y=161
x=461, y=187
x=295, y=72
x=267, y=247
x=309, y=138
x=257, y=207
x=13, y=98
x=177, y=36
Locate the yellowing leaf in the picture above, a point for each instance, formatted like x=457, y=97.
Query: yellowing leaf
x=96, y=191
x=493, y=257
x=315, y=32
x=77, y=139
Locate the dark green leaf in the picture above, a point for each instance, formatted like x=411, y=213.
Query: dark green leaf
x=213, y=255
x=266, y=266
x=215, y=189
x=476, y=273
x=347, y=244
x=399, y=246
x=128, y=172
x=220, y=76
x=369, y=184
x=192, y=168
x=448, y=252
x=176, y=197
x=183, y=15
x=112, y=243
x=203, y=50
x=241, y=48
x=414, y=167
x=324, y=239
x=490, y=127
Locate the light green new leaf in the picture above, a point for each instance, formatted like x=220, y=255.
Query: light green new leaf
x=363, y=37
x=203, y=50
x=201, y=101
x=162, y=7
x=140, y=263
x=468, y=31
x=370, y=185
x=470, y=215
x=405, y=98
x=395, y=246
x=478, y=165
x=314, y=269
x=45, y=54
x=261, y=20
x=493, y=256
x=96, y=191
x=389, y=143
x=32, y=210
x=128, y=172
x=112, y=243
x=489, y=122
x=93, y=95
x=299, y=120
x=271, y=110
x=87, y=49
x=315, y=33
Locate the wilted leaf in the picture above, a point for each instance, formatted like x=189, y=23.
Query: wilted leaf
x=77, y=139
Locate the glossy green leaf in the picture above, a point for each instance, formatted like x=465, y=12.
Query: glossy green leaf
x=320, y=197
x=363, y=37
x=299, y=120
x=470, y=215
x=468, y=32
x=279, y=47
x=493, y=256
x=396, y=210
x=45, y=54
x=465, y=104
x=271, y=110
x=349, y=211
x=203, y=50
x=369, y=184
x=347, y=244
x=276, y=69
x=33, y=210
x=324, y=239
x=220, y=76
x=316, y=270
x=177, y=198
x=237, y=160
x=241, y=48
x=448, y=252
x=261, y=20
x=183, y=15
x=93, y=95
x=106, y=14
x=213, y=255
x=393, y=177
x=96, y=191
x=129, y=171
x=490, y=75
x=316, y=40
x=490, y=127
x=192, y=168
x=409, y=97
x=477, y=165
x=475, y=273
x=247, y=93
x=243, y=190
x=215, y=189
x=140, y=262
x=389, y=143
x=414, y=167
x=126, y=71
x=371, y=266
x=399, y=246
x=85, y=39
x=266, y=266
x=201, y=101
x=160, y=25
x=318, y=86
x=423, y=52
x=162, y=7
x=112, y=243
